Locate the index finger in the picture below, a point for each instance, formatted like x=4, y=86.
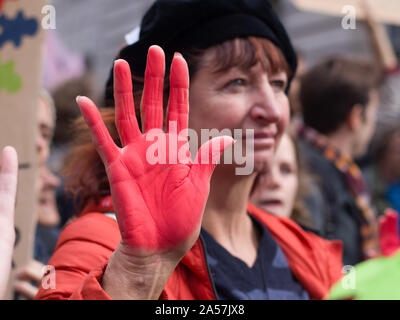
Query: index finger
x=105, y=145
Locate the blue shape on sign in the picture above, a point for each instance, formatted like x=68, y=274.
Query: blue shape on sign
x=14, y=29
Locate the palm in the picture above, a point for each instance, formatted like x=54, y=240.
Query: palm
x=159, y=206
x=162, y=194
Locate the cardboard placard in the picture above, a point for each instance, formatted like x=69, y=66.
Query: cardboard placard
x=385, y=11
x=21, y=42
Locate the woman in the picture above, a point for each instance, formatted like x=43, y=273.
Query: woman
x=280, y=190
x=155, y=251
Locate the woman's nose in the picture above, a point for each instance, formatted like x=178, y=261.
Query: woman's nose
x=50, y=179
x=271, y=179
x=266, y=108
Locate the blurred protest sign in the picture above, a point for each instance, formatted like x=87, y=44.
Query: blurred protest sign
x=385, y=11
x=21, y=42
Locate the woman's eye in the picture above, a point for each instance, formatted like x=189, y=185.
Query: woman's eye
x=279, y=84
x=46, y=137
x=286, y=169
x=237, y=82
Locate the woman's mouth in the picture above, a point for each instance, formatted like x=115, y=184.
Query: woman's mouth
x=264, y=138
x=272, y=203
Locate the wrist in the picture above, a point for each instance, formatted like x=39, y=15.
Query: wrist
x=136, y=276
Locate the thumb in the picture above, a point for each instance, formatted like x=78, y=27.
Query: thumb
x=208, y=157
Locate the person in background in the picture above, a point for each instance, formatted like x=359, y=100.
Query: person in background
x=46, y=117
x=8, y=191
x=47, y=229
x=294, y=93
x=281, y=189
x=339, y=98
x=66, y=113
x=48, y=220
x=382, y=172
x=383, y=175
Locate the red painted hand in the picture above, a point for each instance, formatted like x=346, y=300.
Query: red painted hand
x=159, y=206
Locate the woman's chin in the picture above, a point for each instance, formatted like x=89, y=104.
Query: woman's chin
x=263, y=160
x=258, y=161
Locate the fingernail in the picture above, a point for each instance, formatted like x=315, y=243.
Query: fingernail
x=177, y=54
x=77, y=99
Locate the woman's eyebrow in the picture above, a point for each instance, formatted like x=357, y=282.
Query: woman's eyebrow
x=243, y=67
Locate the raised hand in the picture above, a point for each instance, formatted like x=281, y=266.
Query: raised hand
x=159, y=206
x=8, y=189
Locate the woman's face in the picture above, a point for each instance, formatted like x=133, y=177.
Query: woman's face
x=241, y=99
x=45, y=132
x=47, y=207
x=277, y=188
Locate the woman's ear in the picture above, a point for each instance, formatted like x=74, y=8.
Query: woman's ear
x=355, y=118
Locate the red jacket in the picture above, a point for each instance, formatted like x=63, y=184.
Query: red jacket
x=86, y=244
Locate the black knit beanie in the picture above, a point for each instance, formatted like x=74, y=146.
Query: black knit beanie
x=184, y=25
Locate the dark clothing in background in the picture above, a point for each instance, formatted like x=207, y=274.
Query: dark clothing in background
x=45, y=243
x=339, y=219
x=378, y=189
x=66, y=204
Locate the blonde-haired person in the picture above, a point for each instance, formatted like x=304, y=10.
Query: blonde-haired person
x=46, y=119
x=281, y=190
